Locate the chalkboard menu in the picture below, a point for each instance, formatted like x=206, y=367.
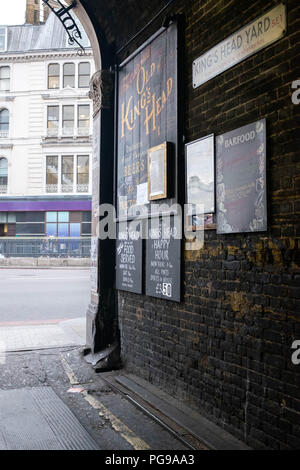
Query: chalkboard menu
x=129, y=260
x=163, y=258
x=147, y=115
x=241, y=179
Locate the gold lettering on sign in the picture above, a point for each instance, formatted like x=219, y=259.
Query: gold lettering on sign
x=149, y=104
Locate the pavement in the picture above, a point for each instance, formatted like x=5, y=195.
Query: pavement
x=52, y=399
x=45, y=335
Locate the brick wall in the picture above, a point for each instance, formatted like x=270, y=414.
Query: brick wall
x=226, y=349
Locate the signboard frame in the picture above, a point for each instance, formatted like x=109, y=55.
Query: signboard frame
x=160, y=151
x=230, y=198
x=169, y=135
x=131, y=270
x=194, y=144
x=197, y=83
x=162, y=287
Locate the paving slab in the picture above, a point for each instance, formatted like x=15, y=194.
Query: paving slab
x=213, y=436
x=37, y=419
x=30, y=337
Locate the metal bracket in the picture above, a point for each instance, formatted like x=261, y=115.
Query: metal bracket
x=68, y=22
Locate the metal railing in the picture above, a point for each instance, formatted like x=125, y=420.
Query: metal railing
x=68, y=132
x=45, y=247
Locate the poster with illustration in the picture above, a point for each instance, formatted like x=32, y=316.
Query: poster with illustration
x=241, y=190
x=200, y=176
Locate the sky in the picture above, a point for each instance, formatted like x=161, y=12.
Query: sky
x=12, y=12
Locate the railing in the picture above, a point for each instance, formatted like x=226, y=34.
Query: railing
x=45, y=247
x=82, y=188
x=3, y=134
x=51, y=188
x=66, y=188
x=3, y=188
x=69, y=132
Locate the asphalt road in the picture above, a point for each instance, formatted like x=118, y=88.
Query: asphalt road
x=43, y=294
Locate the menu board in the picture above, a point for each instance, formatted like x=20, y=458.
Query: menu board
x=241, y=179
x=129, y=260
x=163, y=258
x=147, y=116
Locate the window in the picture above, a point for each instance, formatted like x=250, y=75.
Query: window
x=84, y=71
x=30, y=223
x=67, y=174
x=53, y=120
x=52, y=174
x=68, y=120
x=69, y=75
x=82, y=173
x=2, y=39
x=4, y=122
x=4, y=78
x=61, y=120
x=83, y=123
x=86, y=226
x=3, y=175
x=58, y=224
x=53, y=76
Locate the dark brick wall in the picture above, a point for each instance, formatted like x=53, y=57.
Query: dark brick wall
x=226, y=349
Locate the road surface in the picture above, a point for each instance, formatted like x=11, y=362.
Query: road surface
x=43, y=294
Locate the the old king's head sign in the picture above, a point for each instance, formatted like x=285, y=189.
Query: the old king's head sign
x=147, y=113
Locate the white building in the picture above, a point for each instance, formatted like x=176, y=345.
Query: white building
x=45, y=132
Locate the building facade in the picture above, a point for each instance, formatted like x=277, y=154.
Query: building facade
x=45, y=131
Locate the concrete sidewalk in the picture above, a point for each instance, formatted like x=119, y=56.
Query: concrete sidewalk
x=44, y=262
x=52, y=399
x=33, y=336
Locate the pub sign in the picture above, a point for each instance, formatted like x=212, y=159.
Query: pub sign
x=147, y=115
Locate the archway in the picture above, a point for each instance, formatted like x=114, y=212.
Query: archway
x=102, y=329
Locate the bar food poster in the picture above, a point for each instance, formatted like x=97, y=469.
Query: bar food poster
x=241, y=179
x=200, y=171
x=147, y=114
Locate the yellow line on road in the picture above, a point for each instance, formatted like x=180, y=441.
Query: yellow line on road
x=136, y=442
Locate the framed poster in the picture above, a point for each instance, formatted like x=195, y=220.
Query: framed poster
x=241, y=179
x=200, y=175
x=147, y=116
x=157, y=172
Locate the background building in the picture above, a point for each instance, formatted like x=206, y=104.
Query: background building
x=45, y=130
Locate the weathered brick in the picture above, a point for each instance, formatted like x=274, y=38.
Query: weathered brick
x=223, y=352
